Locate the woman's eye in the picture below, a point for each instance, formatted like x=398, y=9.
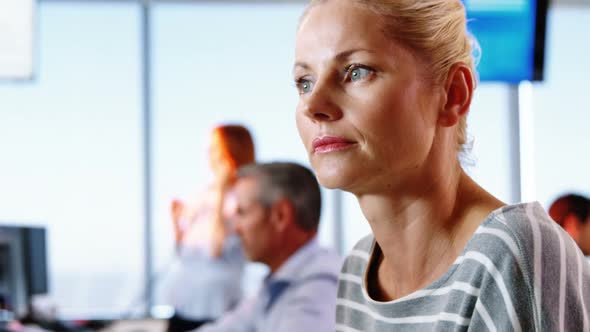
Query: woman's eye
x=355, y=73
x=304, y=85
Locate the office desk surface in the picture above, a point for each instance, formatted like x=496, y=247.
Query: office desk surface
x=136, y=325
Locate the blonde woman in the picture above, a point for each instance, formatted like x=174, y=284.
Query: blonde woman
x=385, y=87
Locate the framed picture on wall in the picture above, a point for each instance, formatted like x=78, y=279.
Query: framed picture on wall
x=17, y=26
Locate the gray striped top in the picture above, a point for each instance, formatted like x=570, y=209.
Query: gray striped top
x=519, y=272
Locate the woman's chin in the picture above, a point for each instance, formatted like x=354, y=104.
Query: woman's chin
x=335, y=178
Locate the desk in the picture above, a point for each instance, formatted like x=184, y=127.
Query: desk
x=136, y=325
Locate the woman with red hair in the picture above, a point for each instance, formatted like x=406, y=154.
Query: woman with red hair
x=207, y=280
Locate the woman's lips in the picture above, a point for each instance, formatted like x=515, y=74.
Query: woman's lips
x=326, y=144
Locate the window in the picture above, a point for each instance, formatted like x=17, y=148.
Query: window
x=70, y=155
x=561, y=111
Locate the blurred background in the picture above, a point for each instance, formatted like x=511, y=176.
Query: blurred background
x=108, y=121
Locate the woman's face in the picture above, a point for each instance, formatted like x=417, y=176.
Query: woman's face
x=365, y=114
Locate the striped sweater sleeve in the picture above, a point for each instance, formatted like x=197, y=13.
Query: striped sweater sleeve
x=555, y=275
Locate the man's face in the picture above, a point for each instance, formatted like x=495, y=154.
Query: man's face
x=578, y=230
x=252, y=221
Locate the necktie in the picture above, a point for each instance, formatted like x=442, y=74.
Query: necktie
x=274, y=291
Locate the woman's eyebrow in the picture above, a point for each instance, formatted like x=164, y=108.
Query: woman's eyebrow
x=348, y=53
x=302, y=65
x=339, y=57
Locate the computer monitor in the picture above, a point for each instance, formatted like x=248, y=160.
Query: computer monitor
x=511, y=34
x=23, y=266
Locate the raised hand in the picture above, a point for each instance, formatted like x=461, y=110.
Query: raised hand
x=177, y=210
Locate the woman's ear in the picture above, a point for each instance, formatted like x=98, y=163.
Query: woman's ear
x=459, y=91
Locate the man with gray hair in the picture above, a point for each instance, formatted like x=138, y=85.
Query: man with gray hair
x=278, y=213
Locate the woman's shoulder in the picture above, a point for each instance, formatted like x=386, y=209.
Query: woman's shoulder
x=525, y=223
x=522, y=212
x=524, y=234
x=531, y=252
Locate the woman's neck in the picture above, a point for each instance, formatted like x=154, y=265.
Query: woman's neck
x=422, y=233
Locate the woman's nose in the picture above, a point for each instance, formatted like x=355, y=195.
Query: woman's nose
x=321, y=104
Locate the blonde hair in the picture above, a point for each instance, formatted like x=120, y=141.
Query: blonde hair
x=436, y=30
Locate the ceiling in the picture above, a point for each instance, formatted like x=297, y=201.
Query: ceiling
x=552, y=2
x=585, y=3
